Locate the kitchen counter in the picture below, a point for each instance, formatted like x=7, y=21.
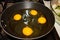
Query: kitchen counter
x=57, y=26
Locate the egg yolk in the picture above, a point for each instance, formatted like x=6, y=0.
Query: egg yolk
x=42, y=20
x=17, y=17
x=27, y=31
x=33, y=12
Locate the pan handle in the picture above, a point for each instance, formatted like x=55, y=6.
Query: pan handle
x=33, y=0
x=40, y=1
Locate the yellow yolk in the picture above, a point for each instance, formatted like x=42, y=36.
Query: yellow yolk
x=27, y=31
x=42, y=20
x=33, y=12
x=17, y=17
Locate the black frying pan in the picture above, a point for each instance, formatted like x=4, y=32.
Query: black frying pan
x=14, y=28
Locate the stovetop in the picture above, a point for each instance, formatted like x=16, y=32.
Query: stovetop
x=51, y=36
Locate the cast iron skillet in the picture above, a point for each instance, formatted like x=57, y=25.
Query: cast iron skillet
x=14, y=28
